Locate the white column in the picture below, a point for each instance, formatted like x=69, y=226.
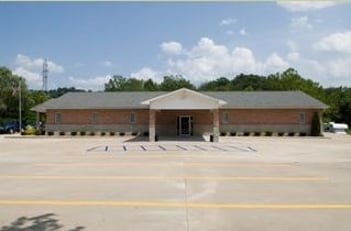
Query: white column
x=152, y=125
x=215, y=113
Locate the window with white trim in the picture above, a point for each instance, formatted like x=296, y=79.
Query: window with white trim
x=94, y=118
x=302, y=118
x=225, y=117
x=57, y=118
x=132, y=117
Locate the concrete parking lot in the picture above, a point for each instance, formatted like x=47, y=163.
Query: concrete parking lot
x=240, y=183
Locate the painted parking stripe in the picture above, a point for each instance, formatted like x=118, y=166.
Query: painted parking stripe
x=240, y=149
x=93, y=148
x=171, y=204
x=172, y=178
x=219, y=148
x=163, y=148
x=181, y=147
x=201, y=148
x=252, y=149
x=192, y=164
x=142, y=147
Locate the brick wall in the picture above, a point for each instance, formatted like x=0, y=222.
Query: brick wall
x=238, y=120
x=103, y=116
x=266, y=116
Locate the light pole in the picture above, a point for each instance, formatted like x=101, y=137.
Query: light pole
x=20, y=105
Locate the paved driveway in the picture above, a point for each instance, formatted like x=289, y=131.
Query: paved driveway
x=246, y=183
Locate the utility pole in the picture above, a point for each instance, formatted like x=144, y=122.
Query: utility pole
x=20, y=104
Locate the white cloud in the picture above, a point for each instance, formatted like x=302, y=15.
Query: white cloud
x=242, y=32
x=36, y=64
x=228, y=21
x=293, y=56
x=301, y=23
x=305, y=5
x=33, y=78
x=339, y=42
x=31, y=69
x=147, y=73
x=208, y=60
x=93, y=83
x=107, y=63
x=340, y=68
x=172, y=48
x=275, y=62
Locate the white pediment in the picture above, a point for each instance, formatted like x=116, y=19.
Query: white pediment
x=184, y=99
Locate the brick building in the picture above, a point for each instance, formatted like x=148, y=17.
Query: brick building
x=182, y=112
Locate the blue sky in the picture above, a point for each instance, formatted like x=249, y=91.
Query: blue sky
x=88, y=42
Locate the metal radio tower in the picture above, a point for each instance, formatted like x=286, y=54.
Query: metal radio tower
x=45, y=75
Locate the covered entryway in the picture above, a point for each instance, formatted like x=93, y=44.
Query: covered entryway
x=183, y=113
x=184, y=125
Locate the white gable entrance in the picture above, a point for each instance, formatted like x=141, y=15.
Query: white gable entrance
x=183, y=99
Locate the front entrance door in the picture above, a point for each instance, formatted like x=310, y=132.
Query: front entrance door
x=184, y=126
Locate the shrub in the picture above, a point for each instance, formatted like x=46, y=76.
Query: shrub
x=291, y=134
x=73, y=133
x=112, y=133
x=29, y=130
x=82, y=133
x=268, y=133
x=246, y=133
x=134, y=133
x=302, y=134
x=146, y=133
x=233, y=133
x=50, y=133
x=103, y=133
x=257, y=133
x=39, y=132
x=223, y=134
x=62, y=133
x=280, y=133
x=121, y=133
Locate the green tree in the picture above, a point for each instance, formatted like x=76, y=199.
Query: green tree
x=251, y=82
x=55, y=93
x=9, y=94
x=150, y=85
x=220, y=84
x=174, y=82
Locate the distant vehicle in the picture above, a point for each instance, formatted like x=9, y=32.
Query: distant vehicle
x=11, y=127
x=2, y=130
x=336, y=128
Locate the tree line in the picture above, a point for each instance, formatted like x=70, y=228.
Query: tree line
x=337, y=98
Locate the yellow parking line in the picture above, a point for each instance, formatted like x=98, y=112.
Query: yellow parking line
x=170, y=178
x=170, y=204
x=161, y=165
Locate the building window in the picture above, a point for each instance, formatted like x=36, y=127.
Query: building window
x=57, y=118
x=302, y=117
x=225, y=117
x=132, y=117
x=94, y=118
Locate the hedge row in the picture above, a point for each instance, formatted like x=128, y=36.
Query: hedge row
x=266, y=133
x=92, y=133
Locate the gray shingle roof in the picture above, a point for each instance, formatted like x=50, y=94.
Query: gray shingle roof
x=234, y=99
x=268, y=99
